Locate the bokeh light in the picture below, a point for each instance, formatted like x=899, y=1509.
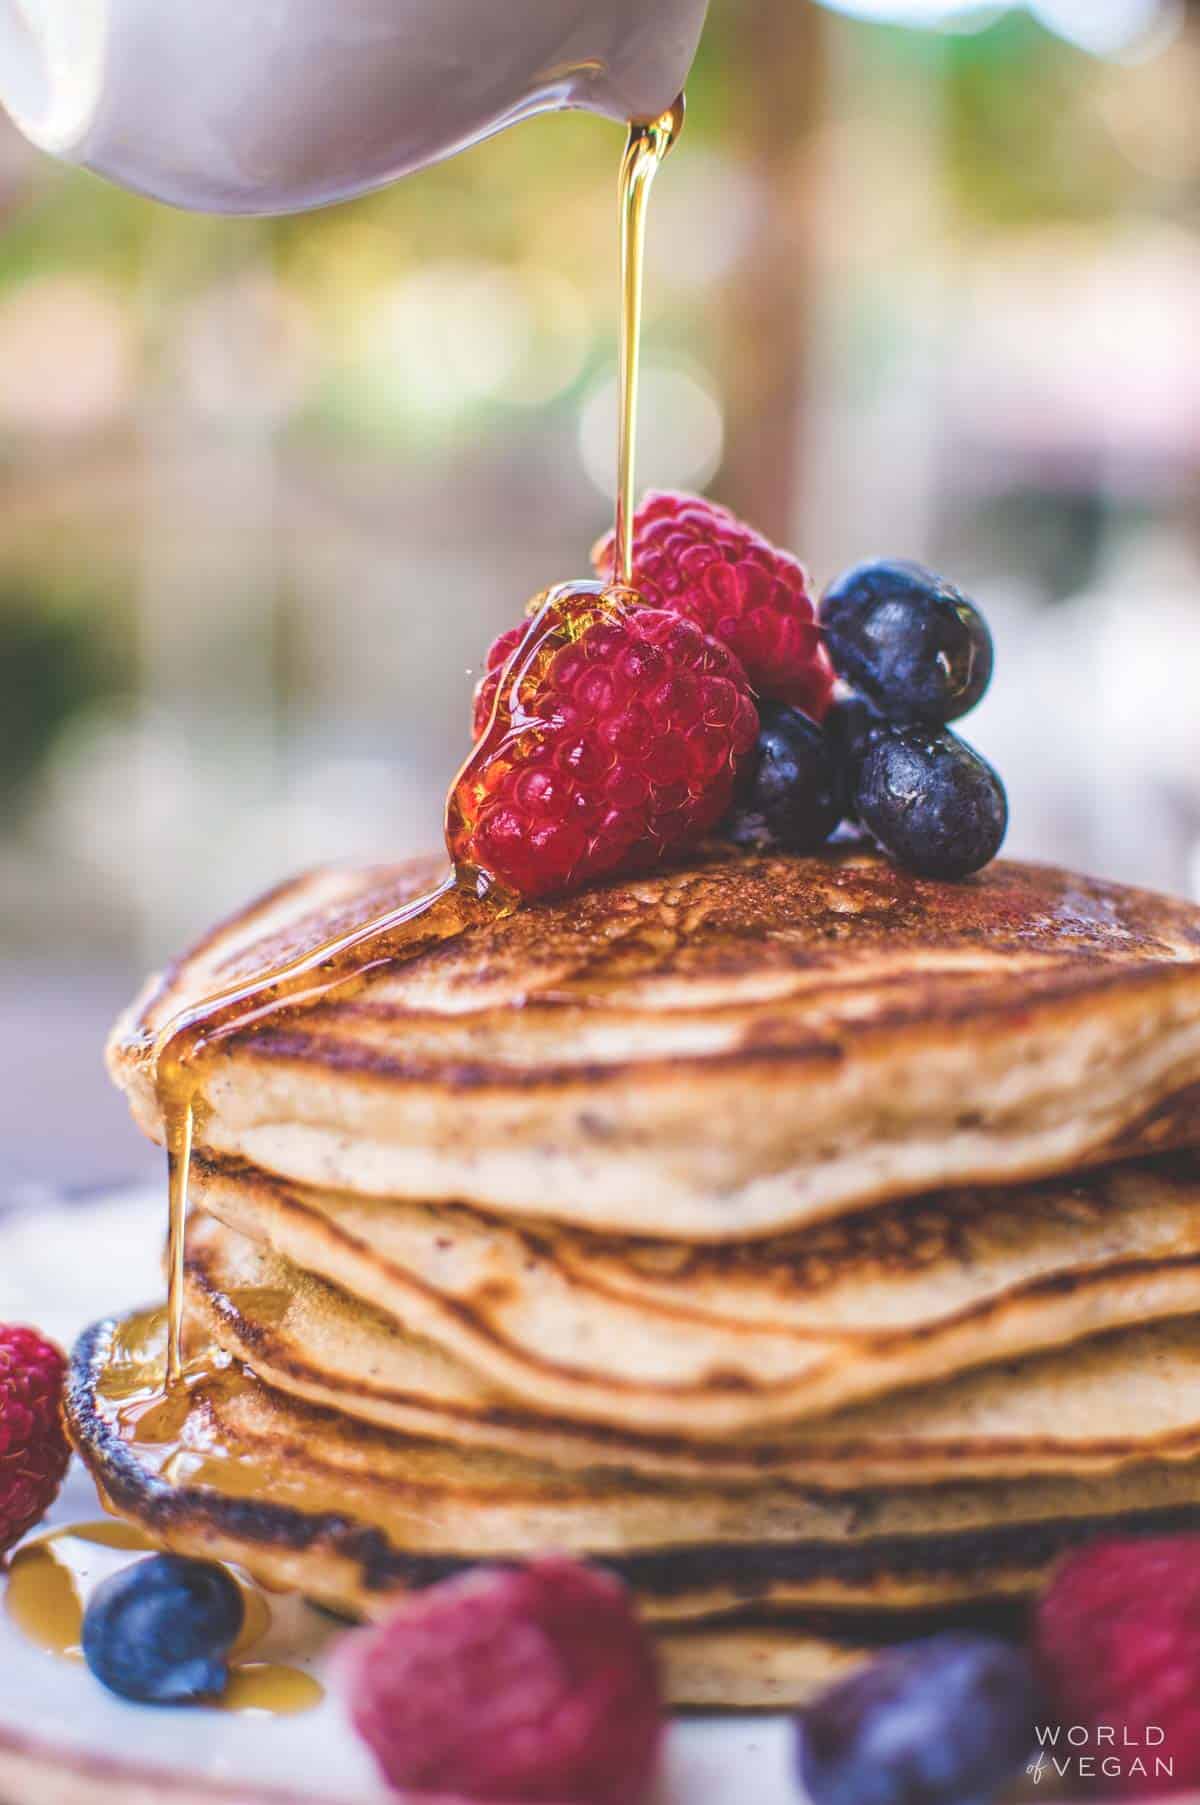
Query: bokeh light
x=245, y=351
x=1105, y=27
x=452, y=336
x=66, y=356
x=682, y=431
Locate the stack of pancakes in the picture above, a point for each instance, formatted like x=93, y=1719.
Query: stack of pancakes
x=816, y=1246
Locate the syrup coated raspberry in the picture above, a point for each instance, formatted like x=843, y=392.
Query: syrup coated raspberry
x=531, y=1683
x=615, y=742
x=33, y=1448
x=1117, y=1648
x=697, y=559
x=499, y=653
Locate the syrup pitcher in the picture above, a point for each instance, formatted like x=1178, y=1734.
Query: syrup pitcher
x=270, y=106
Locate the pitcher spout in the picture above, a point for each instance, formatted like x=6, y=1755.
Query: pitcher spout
x=51, y=69
x=253, y=106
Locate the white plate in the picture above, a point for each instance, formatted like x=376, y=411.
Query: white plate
x=64, y=1740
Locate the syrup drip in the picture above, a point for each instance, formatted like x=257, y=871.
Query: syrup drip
x=647, y=149
x=342, y=963
x=51, y=1580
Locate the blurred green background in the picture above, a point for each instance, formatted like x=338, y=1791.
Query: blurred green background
x=267, y=489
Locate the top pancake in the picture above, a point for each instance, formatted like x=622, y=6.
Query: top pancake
x=722, y=1051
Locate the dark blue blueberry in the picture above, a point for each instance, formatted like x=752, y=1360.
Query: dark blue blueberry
x=933, y=804
x=850, y=726
x=947, y=1721
x=792, y=795
x=160, y=1630
x=909, y=641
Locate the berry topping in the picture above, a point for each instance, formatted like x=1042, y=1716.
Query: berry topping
x=938, y=1722
x=531, y=1683
x=160, y=1630
x=1117, y=1649
x=33, y=1448
x=934, y=805
x=614, y=742
x=909, y=641
x=694, y=558
x=848, y=728
x=791, y=793
x=499, y=653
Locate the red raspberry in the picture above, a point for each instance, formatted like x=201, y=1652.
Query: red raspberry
x=33, y=1448
x=529, y=1683
x=615, y=742
x=697, y=559
x=499, y=653
x=1117, y=1647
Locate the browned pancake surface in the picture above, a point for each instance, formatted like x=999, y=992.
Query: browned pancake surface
x=715, y=1052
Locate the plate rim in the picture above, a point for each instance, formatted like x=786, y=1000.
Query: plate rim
x=95, y=1779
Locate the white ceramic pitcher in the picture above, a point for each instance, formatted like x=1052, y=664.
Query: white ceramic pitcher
x=268, y=106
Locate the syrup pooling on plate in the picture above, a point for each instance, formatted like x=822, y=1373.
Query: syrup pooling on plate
x=265, y=1687
x=52, y=1579
x=466, y=895
x=49, y=1579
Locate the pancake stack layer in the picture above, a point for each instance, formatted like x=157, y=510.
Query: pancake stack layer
x=817, y=1247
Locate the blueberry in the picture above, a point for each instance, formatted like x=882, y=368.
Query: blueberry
x=850, y=726
x=909, y=641
x=792, y=794
x=929, y=799
x=160, y=1630
x=946, y=1721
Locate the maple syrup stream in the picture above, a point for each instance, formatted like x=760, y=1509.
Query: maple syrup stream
x=346, y=961
x=647, y=149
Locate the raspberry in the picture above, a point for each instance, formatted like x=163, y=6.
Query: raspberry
x=499, y=653
x=531, y=1683
x=697, y=559
x=615, y=741
x=33, y=1448
x=1117, y=1647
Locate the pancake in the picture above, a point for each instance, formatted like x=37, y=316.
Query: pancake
x=718, y=1052
x=777, y=1662
x=355, y=1516
x=1117, y=1400
x=752, y=1666
x=718, y=1341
